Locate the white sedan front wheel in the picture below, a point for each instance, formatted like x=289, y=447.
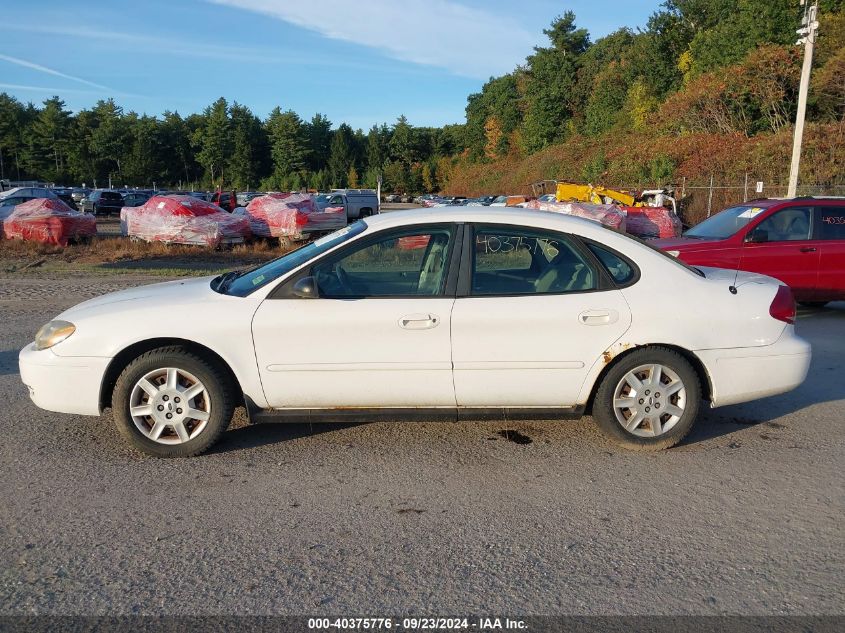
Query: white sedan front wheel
x=170, y=405
x=649, y=400
x=169, y=402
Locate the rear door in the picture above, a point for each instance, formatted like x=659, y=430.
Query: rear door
x=788, y=251
x=831, y=233
x=531, y=319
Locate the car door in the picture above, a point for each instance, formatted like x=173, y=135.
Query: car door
x=831, y=233
x=782, y=245
x=377, y=335
x=533, y=314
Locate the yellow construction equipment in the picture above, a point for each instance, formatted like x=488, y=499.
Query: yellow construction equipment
x=597, y=194
x=593, y=193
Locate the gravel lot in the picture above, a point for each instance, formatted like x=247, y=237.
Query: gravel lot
x=418, y=518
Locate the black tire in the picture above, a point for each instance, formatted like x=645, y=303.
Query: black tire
x=813, y=304
x=605, y=416
x=220, y=394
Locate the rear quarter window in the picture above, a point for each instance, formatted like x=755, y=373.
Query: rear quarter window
x=832, y=223
x=621, y=269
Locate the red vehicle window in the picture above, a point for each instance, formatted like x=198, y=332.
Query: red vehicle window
x=832, y=223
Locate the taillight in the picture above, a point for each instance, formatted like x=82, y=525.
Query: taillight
x=783, y=305
x=301, y=218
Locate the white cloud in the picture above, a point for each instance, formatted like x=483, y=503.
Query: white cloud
x=50, y=71
x=149, y=44
x=52, y=91
x=442, y=33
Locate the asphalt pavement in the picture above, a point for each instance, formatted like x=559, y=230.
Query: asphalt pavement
x=420, y=518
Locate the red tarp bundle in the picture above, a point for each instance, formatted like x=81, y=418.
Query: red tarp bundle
x=291, y=215
x=50, y=221
x=183, y=220
x=608, y=214
x=652, y=222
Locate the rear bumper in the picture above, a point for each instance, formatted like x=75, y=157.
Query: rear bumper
x=65, y=384
x=744, y=374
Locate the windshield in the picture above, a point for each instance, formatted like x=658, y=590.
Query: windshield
x=725, y=223
x=253, y=279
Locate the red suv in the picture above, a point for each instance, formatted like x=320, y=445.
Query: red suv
x=800, y=241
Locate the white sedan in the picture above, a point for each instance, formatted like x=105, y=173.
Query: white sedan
x=459, y=313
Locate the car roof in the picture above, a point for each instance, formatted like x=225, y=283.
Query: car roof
x=501, y=215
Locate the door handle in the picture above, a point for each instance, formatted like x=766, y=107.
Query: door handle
x=808, y=249
x=419, y=321
x=598, y=317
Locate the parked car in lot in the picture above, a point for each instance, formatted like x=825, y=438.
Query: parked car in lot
x=10, y=198
x=135, y=198
x=102, y=202
x=225, y=200
x=356, y=203
x=799, y=241
x=499, y=314
x=65, y=194
x=77, y=194
x=245, y=197
x=183, y=220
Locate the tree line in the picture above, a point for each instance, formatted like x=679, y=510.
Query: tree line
x=226, y=145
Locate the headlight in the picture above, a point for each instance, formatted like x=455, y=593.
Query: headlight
x=673, y=253
x=53, y=333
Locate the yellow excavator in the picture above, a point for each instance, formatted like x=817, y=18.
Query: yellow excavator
x=597, y=194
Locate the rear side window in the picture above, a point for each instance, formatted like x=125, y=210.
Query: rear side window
x=522, y=262
x=111, y=196
x=622, y=271
x=832, y=223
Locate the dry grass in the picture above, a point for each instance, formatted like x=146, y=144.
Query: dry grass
x=119, y=254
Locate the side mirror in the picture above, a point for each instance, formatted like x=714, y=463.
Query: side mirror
x=757, y=236
x=305, y=288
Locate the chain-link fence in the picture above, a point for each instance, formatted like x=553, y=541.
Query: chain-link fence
x=698, y=200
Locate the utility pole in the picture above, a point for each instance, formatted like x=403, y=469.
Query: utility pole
x=808, y=30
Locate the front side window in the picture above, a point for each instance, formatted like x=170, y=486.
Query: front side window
x=243, y=283
x=787, y=225
x=413, y=263
x=516, y=262
x=832, y=223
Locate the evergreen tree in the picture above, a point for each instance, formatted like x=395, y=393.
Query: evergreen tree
x=214, y=141
x=50, y=132
x=287, y=146
x=248, y=163
x=318, y=134
x=341, y=156
x=109, y=140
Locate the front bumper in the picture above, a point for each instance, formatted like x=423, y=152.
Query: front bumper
x=65, y=384
x=744, y=374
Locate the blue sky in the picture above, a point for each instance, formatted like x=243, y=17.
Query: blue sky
x=359, y=61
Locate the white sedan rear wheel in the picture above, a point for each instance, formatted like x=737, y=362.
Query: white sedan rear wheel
x=648, y=400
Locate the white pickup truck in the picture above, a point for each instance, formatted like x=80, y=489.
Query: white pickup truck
x=358, y=203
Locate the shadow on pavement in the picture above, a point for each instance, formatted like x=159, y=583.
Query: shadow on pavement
x=254, y=435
